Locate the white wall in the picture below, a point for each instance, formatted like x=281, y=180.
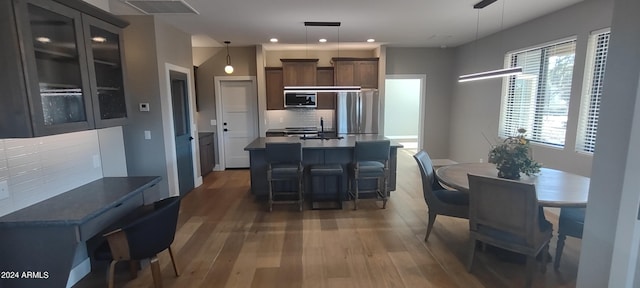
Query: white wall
x=475, y=106
x=40, y=168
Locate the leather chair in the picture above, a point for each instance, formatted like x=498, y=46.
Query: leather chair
x=439, y=201
x=371, y=161
x=506, y=214
x=151, y=232
x=284, y=164
x=570, y=223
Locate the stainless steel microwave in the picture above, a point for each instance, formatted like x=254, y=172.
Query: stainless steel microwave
x=300, y=100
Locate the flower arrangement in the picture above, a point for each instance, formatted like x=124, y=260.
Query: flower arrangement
x=512, y=157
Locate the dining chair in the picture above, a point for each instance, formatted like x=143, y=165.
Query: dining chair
x=570, y=223
x=150, y=233
x=284, y=165
x=371, y=161
x=506, y=214
x=440, y=201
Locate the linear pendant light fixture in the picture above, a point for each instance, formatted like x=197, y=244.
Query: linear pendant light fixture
x=493, y=73
x=313, y=89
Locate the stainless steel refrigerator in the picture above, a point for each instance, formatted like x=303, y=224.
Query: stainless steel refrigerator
x=358, y=112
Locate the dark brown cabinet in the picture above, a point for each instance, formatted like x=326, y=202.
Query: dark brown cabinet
x=326, y=100
x=275, y=88
x=61, y=68
x=299, y=72
x=361, y=72
x=207, y=156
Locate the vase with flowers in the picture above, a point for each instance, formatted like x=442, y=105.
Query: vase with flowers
x=513, y=156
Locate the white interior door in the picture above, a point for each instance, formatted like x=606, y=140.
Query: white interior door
x=239, y=109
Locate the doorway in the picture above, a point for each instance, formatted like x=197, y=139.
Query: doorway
x=182, y=130
x=403, y=111
x=236, y=117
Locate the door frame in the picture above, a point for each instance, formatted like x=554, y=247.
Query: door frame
x=217, y=82
x=422, y=101
x=168, y=130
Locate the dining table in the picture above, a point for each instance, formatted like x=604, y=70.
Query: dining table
x=554, y=188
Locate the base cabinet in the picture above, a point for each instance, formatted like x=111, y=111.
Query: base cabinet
x=62, y=68
x=207, y=158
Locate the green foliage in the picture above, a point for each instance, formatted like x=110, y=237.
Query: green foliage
x=512, y=157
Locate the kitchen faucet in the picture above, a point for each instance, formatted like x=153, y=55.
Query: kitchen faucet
x=321, y=127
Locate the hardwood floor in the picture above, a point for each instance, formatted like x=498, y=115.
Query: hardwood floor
x=227, y=239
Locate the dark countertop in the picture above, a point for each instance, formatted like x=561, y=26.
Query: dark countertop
x=348, y=141
x=81, y=204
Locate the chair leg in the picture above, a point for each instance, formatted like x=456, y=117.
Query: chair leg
x=472, y=252
x=112, y=269
x=300, y=194
x=155, y=272
x=385, y=190
x=545, y=257
x=559, y=248
x=175, y=264
x=355, y=196
x=531, y=262
x=270, y=191
x=133, y=268
x=432, y=219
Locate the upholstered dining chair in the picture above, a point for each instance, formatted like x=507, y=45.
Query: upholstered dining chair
x=506, y=214
x=570, y=223
x=144, y=237
x=284, y=164
x=371, y=161
x=439, y=201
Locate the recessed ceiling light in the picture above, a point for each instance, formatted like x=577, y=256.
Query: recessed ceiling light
x=371, y=40
x=43, y=39
x=273, y=40
x=99, y=39
x=322, y=40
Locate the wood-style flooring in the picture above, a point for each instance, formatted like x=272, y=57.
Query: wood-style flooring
x=226, y=238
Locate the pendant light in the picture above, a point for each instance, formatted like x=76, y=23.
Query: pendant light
x=493, y=73
x=228, y=69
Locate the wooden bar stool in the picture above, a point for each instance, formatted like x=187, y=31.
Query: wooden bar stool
x=371, y=161
x=323, y=171
x=284, y=164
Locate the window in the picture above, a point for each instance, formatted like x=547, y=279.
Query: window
x=592, y=90
x=538, y=99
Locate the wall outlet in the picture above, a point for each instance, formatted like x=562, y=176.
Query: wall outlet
x=96, y=161
x=4, y=190
x=147, y=134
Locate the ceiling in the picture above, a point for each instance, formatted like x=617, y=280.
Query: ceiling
x=399, y=23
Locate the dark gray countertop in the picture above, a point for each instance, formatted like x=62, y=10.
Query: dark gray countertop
x=80, y=204
x=348, y=141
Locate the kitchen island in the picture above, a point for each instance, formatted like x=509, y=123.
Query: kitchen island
x=317, y=151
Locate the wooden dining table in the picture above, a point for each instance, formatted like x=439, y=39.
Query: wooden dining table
x=554, y=188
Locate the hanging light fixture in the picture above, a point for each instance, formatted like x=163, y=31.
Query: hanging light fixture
x=228, y=69
x=493, y=73
x=312, y=89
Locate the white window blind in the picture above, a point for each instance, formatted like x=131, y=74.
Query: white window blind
x=592, y=91
x=538, y=99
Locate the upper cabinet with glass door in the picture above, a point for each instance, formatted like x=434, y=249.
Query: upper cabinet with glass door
x=52, y=83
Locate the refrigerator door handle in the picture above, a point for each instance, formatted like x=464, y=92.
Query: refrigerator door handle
x=359, y=114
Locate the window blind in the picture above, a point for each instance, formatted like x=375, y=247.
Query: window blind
x=597, y=49
x=538, y=99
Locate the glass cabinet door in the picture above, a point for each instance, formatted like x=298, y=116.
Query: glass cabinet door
x=55, y=35
x=104, y=51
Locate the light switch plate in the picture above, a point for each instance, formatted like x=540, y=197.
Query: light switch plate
x=213, y=122
x=96, y=161
x=4, y=190
x=147, y=134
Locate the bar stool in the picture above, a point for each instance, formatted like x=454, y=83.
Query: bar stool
x=284, y=164
x=326, y=170
x=371, y=161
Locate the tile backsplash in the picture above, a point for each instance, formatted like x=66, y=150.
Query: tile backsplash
x=40, y=168
x=277, y=119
